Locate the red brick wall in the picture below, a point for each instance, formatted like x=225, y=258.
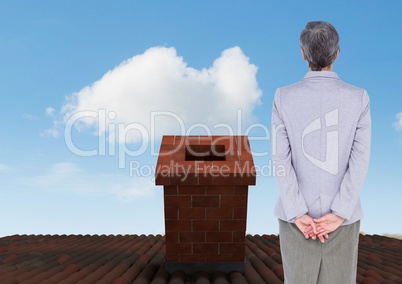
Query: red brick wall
x=205, y=223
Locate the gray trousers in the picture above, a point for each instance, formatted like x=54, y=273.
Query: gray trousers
x=307, y=261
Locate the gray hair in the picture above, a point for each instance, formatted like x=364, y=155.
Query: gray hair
x=320, y=43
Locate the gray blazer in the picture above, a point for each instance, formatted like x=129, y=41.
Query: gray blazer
x=321, y=132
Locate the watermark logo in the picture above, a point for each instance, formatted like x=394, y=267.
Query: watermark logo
x=120, y=135
x=330, y=163
x=114, y=138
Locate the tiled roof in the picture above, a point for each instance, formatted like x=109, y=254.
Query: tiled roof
x=140, y=259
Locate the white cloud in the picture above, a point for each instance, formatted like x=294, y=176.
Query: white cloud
x=51, y=132
x=160, y=80
x=69, y=177
x=50, y=111
x=31, y=117
x=398, y=124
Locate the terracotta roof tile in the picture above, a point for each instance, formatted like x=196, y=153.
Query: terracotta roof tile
x=140, y=259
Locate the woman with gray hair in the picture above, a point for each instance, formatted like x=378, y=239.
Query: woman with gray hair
x=321, y=132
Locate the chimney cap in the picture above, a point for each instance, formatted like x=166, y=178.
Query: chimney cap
x=205, y=160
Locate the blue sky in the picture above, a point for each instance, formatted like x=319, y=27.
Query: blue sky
x=50, y=50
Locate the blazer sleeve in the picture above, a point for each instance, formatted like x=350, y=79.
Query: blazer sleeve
x=292, y=199
x=347, y=197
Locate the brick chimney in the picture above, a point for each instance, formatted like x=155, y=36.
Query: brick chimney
x=205, y=181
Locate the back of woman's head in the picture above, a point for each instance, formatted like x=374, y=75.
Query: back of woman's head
x=320, y=43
